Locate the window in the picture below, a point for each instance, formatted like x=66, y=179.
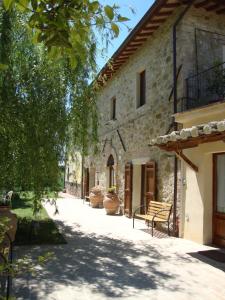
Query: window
x=141, y=89
x=113, y=109
x=223, y=53
x=110, y=165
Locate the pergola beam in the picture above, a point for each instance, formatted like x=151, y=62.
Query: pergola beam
x=192, y=142
x=187, y=160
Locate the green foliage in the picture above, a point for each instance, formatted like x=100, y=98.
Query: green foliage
x=45, y=97
x=34, y=229
x=83, y=118
x=33, y=109
x=66, y=27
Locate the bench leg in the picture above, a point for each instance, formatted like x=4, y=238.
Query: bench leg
x=133, y=221
x=168, y=228
x=152, y=228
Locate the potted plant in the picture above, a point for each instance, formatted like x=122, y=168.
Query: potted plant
x=111, y=201
x=96, y=197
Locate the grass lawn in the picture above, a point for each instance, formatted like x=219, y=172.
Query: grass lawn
x=31, y=231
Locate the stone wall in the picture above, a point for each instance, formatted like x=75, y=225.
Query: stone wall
x=73, y=174
x=73, y=189
x=138, y=126
x=200, y=41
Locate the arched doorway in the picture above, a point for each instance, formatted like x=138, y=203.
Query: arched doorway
x=110, y=165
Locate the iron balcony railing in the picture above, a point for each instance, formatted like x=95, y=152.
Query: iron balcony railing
x=205, y=88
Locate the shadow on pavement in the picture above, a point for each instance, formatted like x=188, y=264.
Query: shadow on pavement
x=113, y=267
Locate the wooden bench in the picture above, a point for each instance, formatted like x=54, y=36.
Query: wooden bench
x=158, y=212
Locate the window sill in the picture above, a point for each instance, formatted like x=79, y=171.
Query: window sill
x=141, y=107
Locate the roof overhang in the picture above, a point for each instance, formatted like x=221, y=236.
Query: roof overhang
x=158, y=13
x=191, y=137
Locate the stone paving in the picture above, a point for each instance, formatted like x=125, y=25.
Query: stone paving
x=106, y=259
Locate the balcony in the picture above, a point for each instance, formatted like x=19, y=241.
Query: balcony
x=205, y=88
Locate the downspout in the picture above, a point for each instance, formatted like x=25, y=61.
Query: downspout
x=82, y=176
x=175, y=229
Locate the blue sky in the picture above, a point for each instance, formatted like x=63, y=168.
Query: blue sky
x=140, y=7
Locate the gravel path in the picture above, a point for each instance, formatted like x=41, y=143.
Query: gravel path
x=106, y=259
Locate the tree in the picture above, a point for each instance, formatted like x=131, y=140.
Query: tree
x=33, y=108
x=44, y=86
x=66, y=27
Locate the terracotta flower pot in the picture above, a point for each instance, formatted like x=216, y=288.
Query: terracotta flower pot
x=12, y=223
x=111, y=203
x=96, y=197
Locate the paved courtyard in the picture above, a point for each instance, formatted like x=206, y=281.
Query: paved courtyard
x=106, y=259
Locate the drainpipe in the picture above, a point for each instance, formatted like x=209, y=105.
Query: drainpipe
x=175, y=109
x=82, y=176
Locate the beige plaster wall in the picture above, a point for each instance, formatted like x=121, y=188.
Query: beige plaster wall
x=198, y=207
x=136, y=186
x=197, y=202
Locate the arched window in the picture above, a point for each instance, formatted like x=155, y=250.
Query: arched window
x=110, y=165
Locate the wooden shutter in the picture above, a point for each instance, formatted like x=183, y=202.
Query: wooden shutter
x=150, y=183
x=128, y=190
x=86, y=182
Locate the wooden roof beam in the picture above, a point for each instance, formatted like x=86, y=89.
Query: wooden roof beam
x=202, y=3
x=158, y=21
x=146, y=34
x=220, y=11
x=136, y=43
x=127, y=51
x=140, y=40
x=121, y=61
x=123, y=56
x=152, y=27
x=164, y=13
x=172, y=5
x=133, y=48
x=192, y=142
x=213, y=6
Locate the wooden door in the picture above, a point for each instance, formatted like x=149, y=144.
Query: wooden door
x=86, y=182
x=128, y=190
x=150, y=182
x=219, y=199
x=143, y=192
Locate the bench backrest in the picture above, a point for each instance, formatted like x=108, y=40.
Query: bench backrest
x=155, y=207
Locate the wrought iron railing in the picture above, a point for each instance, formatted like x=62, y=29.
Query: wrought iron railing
x=205, y=88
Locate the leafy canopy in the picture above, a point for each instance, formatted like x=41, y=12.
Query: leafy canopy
x=66, y=27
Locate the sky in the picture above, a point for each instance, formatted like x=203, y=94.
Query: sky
x=140, y=7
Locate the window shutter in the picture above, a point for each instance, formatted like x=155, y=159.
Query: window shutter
x=150, y=187
x=128, y=190
x=86, y=182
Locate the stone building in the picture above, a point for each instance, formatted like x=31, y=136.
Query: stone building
x=73, y=174
x=149, y=82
